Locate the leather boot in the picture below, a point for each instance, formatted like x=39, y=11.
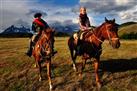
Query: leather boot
x=53, y=49
x=78, y=50
x=29, y=51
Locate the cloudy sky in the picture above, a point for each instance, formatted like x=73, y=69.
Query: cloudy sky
x=12, y=11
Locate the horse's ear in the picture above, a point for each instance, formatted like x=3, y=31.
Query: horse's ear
x=113, y=20
x=106, y=19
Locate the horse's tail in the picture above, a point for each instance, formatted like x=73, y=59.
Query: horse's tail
x=70, y=43
x=71, y=46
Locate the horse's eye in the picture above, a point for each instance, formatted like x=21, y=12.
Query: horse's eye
x=114, y=29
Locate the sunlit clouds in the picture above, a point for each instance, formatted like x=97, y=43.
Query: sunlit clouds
x=14, y=10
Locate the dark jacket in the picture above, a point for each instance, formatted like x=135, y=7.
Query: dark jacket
x=39, y=25
x=84, y=21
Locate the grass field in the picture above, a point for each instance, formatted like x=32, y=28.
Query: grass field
x=17, y=71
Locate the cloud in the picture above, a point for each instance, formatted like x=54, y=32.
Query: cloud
x=129, y=14
x=14, y=10
x=107, y=6
x=123, y=9
x=33, y=11
x=60, y=14
x=121, y=2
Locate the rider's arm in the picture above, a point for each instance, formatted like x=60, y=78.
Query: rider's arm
x=88, y=23
x=33, y=27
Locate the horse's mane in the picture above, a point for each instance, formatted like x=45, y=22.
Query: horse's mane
x=94, y=31
x=47, y=32
x=98, y=28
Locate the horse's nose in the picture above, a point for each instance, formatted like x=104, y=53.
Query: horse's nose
x=115, y=43
x=118, y=44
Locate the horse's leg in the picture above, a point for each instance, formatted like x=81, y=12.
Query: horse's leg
x=71, y=44
x=84, y=63
x=84, y=59
x=74, y=56
x=49, y=73
x=96, y=66
x=38, y=63
x=40, y=69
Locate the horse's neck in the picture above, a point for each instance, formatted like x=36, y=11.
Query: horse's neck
x=42, y=38
x=98, y=31
x=97, y=35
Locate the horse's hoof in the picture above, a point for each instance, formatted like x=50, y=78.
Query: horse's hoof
x=40, y=79
x=80, y=75
x=50, y=87
x=34, y=65
x=99, y=85
x=74, y=68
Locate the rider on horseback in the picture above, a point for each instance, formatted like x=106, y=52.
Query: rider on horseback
x=83, y=20
x=84, y=25
x=38, y=26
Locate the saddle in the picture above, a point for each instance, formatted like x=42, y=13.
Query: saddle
x=82, y=35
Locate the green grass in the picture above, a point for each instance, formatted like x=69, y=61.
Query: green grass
x=17, y=72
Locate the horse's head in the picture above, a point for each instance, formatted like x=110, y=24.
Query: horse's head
x=110, y=32
x=49, y=32
x=47, y=40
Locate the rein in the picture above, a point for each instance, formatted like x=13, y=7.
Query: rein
x=45, y=43
x=96, y=36
x=97, y=51
x=110, y=39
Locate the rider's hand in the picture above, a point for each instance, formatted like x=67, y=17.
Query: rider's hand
x=89, y=28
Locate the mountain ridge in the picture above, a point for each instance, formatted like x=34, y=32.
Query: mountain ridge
x=65, y=28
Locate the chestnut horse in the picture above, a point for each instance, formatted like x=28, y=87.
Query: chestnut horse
x=42, y=52
x=91, y=45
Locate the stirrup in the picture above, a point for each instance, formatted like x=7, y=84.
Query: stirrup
x=29, y=53
x=54, y=52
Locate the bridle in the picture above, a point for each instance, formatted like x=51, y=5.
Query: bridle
x=101, y=41
x=109, y=37
x=47, y=42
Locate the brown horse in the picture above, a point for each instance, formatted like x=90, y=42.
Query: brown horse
x=42, y=52
x=91, y=45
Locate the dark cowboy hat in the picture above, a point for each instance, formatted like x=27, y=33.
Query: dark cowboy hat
x=37, y=15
